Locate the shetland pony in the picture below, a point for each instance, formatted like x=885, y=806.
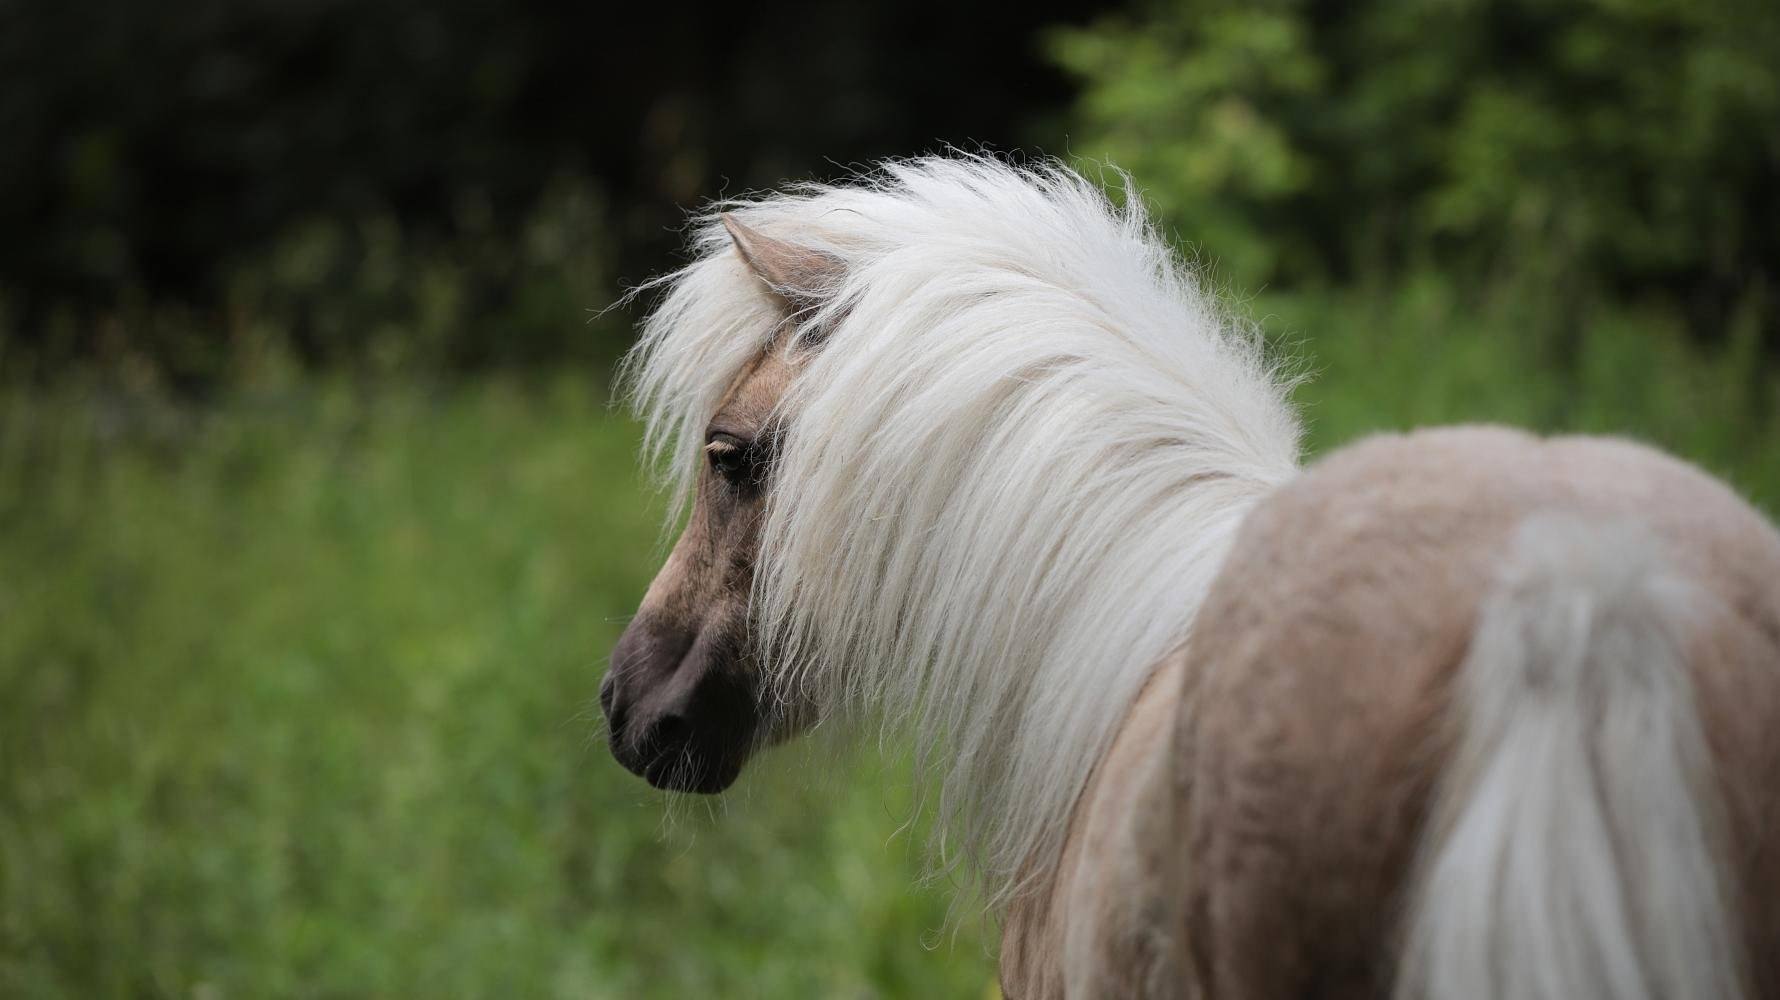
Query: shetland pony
x=1458, y=713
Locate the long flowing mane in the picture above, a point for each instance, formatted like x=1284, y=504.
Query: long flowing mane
x=1011, y=465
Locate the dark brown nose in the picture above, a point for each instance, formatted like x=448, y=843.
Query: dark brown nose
x=677, y=712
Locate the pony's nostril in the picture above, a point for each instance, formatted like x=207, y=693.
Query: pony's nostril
x=670, y=729
x=612, y=708
x=608, y=693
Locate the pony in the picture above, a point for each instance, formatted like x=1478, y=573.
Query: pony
x=968, y=450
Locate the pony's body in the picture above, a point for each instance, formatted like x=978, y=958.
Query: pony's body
x=1255, y=831
x=983, y=461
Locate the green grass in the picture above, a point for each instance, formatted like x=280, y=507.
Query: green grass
x=296, y=700
x=296, y=690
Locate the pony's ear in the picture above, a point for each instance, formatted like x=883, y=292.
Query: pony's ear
x=800, y=275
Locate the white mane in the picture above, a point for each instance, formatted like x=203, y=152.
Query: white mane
x=1011, y=468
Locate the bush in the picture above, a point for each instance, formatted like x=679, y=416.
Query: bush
x=1613, y=148
x=368, y=295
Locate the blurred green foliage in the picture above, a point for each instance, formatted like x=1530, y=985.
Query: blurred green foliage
x=147, y=159
x=1576, y=149
x=369, y=295
x=372, y=293
x=297, y=699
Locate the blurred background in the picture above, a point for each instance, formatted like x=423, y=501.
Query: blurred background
x=317, y=523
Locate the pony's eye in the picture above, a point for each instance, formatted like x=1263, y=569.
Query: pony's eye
x=729, y=460
x=740, y=462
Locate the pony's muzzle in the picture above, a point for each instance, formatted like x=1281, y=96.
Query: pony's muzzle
x=676, y=714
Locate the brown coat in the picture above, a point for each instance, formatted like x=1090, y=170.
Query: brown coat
x=1253, y=830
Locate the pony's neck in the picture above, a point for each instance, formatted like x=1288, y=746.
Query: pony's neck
x=1132, y=606
x=1006, y=580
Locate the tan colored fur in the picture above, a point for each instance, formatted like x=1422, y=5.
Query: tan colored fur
x=711, y=566
x=1109, y=913
x=1252, y=832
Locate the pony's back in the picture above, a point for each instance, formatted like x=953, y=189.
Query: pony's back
x=1472, y=714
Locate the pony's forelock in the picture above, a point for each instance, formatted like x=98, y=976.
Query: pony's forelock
x=1007, y=475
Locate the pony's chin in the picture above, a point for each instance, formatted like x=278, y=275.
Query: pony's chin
x=696, y=777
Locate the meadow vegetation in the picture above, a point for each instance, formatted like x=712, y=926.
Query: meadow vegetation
x=296, y=687
x=296, y=699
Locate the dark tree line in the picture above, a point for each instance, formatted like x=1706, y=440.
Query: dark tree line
x=150, y=152
x=449, y=183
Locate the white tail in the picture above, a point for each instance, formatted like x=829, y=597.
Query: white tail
x=1575, y=851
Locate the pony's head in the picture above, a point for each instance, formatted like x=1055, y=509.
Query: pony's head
x=685, y=699
x=963, y=442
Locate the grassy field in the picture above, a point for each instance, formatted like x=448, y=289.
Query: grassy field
x=296, y=689
x=297, y=701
